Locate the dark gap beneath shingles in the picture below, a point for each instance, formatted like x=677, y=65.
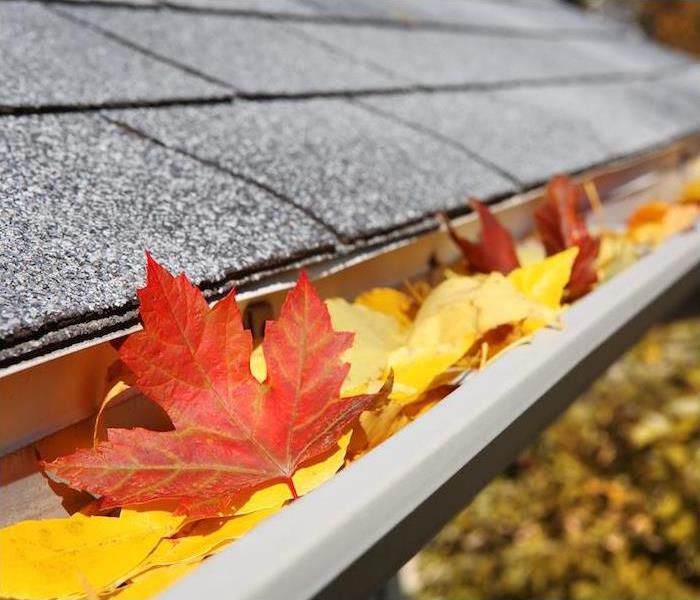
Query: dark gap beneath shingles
x=561, y=81
x=213, y=289
x=613, y=32
x=67, y=343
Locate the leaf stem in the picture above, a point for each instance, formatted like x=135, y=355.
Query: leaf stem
x=290, y=483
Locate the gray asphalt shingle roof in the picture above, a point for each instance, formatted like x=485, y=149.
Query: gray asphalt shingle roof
x=88, y=197
x=46, y=60
x=254, y=56
x=235, y=138
x=359, y=172
x=534, y=132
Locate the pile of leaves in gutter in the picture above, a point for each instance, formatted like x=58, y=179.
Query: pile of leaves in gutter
x=251, y=429
x=606, y=504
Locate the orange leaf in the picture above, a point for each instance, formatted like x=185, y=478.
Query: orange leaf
x=651, y=212
x=654, y=222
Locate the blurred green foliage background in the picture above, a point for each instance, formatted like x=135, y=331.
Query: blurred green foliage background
x=605, y=505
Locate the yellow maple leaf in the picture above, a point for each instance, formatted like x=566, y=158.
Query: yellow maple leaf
x=376, y=425
x=153, y=582
x=376, y=336
x=453, y=316
x=64, y=558
x=202, y=539
x=544, y=281
x=390, y=302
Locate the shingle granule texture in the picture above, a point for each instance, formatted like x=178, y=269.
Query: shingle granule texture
x=359, y=172
x=46, y=60
x=532, y=133
x=80, y=201
x=451, y=58
x=626, y=118
x=255, y=56
x=527, y=141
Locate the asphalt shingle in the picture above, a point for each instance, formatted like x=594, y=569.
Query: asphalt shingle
x=256, y=56
x=80, y=200
x=44, y=62
x=535, y=132
x=360, y=173
x=626, y=118
x=529, y=142
x=454, y=58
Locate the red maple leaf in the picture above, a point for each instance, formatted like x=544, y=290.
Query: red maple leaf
x=231, y=433
x=495, y=250
x=560, y=226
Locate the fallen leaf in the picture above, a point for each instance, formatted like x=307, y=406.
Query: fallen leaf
x=452, y=318
x=202, y=539
x=376, y=336
x=153, y=582
x=418, y=289
x=691, y=192
x=560, y=226
x=655, y=222
x=544, y=281
x=390, y=302
x=376, y=426
x=492, y=343
x=258, y=368
x=120, y=391
x=232, y=433
x=583, y=274
x=650, y=212
x=305, y=479
x=616, y=253
x=61, y=558
x=428, y=400
x=530, y=251
x=495, y=250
